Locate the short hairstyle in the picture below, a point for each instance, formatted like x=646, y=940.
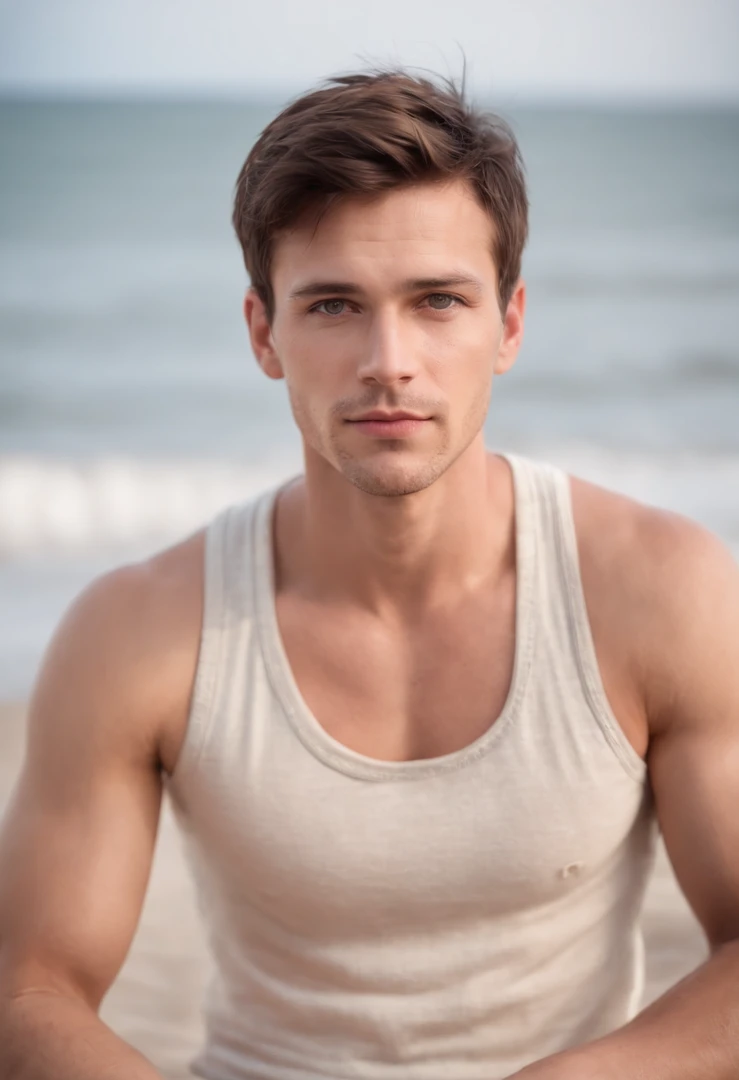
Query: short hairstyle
x=362, y=134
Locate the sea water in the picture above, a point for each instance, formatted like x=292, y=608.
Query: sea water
x=131, y=408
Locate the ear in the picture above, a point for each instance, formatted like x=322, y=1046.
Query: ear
x=510, y=342
x=260, y=334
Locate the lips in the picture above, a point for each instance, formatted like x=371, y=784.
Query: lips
x=386, y=417
x=389, y=425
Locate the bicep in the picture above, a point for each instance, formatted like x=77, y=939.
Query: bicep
x=694, y=753
x=696, y=786
x=78, y=837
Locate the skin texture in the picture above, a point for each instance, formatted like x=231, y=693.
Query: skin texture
x=410, y=540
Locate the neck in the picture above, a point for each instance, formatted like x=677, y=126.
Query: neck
x=402, y=553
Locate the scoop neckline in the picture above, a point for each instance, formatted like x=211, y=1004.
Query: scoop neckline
x=329, y=750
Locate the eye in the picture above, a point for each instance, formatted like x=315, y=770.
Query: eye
x=330, y=307
x=441, y=301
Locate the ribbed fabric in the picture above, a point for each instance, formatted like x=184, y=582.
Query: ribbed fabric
x=454, y=918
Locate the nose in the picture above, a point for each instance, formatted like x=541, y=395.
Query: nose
x=389, y=356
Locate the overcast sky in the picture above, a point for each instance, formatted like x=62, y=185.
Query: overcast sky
x=644, y=49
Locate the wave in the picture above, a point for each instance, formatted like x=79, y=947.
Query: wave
x=49, y=506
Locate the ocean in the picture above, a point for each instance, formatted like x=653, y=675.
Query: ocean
x=131, y=408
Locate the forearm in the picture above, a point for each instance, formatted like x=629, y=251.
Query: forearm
x=48, y=1036
x=690, y=1033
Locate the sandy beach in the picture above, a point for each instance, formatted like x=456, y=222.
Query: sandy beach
x=154, y=1003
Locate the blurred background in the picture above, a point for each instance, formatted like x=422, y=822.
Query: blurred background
x=131, y=408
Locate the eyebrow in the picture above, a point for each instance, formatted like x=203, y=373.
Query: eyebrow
x=349, y=288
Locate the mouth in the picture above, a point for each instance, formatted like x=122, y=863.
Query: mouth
x=396, y=424
x=390, y=416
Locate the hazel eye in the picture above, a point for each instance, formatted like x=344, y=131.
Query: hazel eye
x=441, y=301
x=331, y=307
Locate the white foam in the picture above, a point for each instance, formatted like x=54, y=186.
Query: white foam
x=53, y=506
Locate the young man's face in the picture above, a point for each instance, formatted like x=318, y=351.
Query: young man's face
x=389, y=307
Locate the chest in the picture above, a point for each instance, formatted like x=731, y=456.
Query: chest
x=323, y=854
x=403, y=692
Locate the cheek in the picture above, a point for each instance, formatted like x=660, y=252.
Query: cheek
x=464, y=368
x=310, y=353
x=312, y=388
x=320, y=376
x=466, y=346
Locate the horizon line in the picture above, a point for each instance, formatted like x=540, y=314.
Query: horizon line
x=267, y=94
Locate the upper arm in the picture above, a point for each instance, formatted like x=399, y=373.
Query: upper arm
x=691, y=646
x=78, y=837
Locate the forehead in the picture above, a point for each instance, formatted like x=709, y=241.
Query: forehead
x=415, y=231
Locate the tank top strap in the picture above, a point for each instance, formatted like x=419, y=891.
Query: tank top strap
x=228, y=607
x=562, y=611
x=528, y=559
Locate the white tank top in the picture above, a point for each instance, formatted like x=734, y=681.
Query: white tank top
x=459, y=916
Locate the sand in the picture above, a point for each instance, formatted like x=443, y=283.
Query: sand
x=154, y=1003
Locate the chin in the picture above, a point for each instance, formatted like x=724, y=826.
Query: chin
x=388, y=480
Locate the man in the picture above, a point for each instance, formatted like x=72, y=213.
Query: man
x=418, y=710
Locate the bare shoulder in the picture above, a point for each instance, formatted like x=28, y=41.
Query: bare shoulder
x=648, y=538
x=123, y=658
x=668, y=589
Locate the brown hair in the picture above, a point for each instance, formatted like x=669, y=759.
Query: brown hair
x=366, y=133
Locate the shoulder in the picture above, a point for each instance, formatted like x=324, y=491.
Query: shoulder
x=122, y=661
x=644, y=537
x=139, y=607
x=142, y=589
x=670, y=587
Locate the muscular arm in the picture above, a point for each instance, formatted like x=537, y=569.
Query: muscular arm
x=78, y=838
x=688, y=638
